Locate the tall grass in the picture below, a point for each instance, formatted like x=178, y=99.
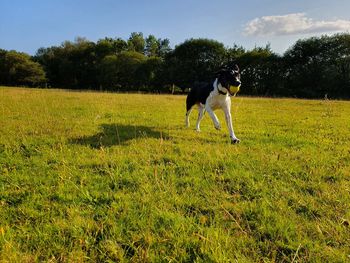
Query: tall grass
x=88, y=177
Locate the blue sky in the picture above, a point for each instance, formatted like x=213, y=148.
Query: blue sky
x=26, y=25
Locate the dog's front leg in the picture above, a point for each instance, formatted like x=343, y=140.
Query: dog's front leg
x=228, y=118
x=213, y=117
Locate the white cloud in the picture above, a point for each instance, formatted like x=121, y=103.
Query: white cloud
x=292, y=24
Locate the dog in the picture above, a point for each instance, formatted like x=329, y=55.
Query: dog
x=216, y=95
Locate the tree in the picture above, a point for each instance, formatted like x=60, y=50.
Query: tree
x=72, y=65
x=233, y=54
x=311, y=68
x=127, y=64
x=19, y=69
x=195, y=60
x=148, y=74
x=157, y=47
x=107, y=77
x=136, y=42
x=343, y=66
x=108, y=46
x=164, y=47
x=261, y=71
x=3, y=68
x=121, y=71
x=319, y=66
x=152, y=46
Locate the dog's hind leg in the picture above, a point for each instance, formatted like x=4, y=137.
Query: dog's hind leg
x=201, y=111
x=189, y=104
x=187, y=121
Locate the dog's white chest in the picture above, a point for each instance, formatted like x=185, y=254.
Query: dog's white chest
x=217, y=101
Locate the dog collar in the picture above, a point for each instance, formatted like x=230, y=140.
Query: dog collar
x=221, y=92
x=217, y=87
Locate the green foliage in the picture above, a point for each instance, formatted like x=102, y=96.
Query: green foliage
x=316, y=67
x=195, y=60
x=109, y=46
x=149, y=74
x=152, y=46
x=157, y=47
x=136, y=42
x=18, y=68
x=72, y=65
x=164, y=47
x=102, y=177
x=130, y=71
x=319, y=66
x=128, y=63
x=109, y=64
x=262, y=73
x=108, y=77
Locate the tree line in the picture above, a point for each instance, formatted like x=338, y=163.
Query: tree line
x=311, y=68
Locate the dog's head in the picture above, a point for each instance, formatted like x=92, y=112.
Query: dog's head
x=230, y=78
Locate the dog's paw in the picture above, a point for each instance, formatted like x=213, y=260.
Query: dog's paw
x=218, y=127
x=235, y=141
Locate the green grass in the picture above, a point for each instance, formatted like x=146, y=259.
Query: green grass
x=88, y=177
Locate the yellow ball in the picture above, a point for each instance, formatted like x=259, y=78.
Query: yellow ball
x=234, y=89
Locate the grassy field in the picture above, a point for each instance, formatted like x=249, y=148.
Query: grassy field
x=98, y=177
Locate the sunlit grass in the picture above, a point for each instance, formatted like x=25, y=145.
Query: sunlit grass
x=117, y=177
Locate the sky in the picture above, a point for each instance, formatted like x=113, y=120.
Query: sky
x=27, y=25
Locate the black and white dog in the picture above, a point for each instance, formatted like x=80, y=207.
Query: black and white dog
x=214, y=96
